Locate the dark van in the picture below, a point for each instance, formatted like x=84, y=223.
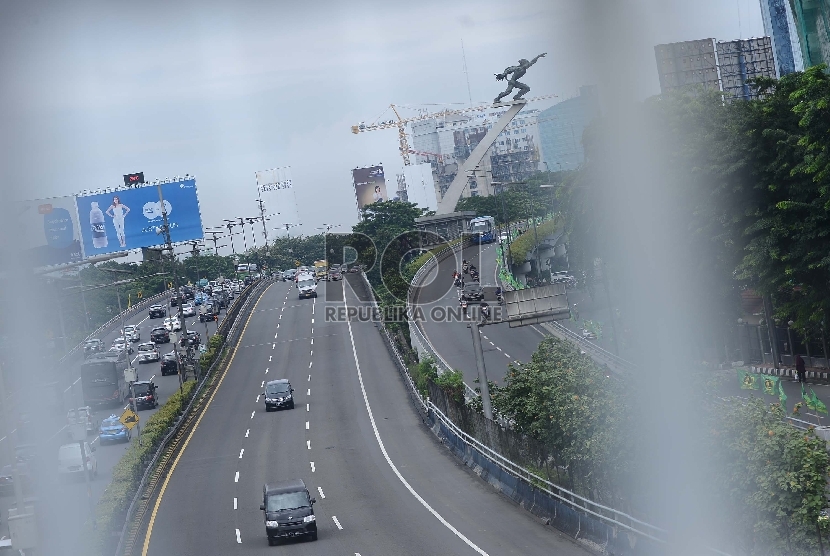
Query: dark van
x=288, y=511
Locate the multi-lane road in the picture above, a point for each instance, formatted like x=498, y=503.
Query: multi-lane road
x=384, y=484
x=70, y=503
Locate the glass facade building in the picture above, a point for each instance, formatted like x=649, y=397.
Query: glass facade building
x=812, y=24
x=561, y=127
x=779, y=25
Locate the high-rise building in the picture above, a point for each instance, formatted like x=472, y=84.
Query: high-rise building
x=725, y=66
x=779, y=25
x=448, y=141
x=561, y=127
x=688, y=63
x=812, y=25
x=741, y=61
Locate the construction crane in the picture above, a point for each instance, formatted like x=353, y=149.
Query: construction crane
x=400, y=123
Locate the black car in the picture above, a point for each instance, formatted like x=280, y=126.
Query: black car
x=288, y=511
x=144, y=393
x=193, y=338
x=160, y=335
x=175, y=299
x=278, y=395
x=169, y=364
x=472, y=292
x=188, y=292
x=158, y=312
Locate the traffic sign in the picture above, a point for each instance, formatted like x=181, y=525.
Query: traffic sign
x=129, y=419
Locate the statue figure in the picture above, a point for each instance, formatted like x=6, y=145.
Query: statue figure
x=517, y=72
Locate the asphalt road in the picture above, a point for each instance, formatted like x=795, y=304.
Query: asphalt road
x=70, y=501
x=452, y=339
x=384, y=485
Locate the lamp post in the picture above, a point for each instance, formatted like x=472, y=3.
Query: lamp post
x=230, y=224
x=790, y=338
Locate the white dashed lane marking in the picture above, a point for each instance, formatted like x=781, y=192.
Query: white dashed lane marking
x=234, y=502
x=320, y=490
x=306, y=425
x=242, y=451
x=236, y=477
x=252, y=414
x=336, y=522
x=238, y=537
x=312, y=466
x=247, y=432
x=308, y=443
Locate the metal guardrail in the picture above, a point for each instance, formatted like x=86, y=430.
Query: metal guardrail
x=614, y=362
x=245, y=299
x=606, y=514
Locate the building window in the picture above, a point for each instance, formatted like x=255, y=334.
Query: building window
x=473, y=193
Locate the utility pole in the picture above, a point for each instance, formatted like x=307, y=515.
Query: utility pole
x=230, y=224
x=262, y=214
x=486, y=405
x=182, y=321
x=215, y=239
x=244, y=239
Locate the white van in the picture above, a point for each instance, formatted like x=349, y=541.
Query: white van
x=70, y=462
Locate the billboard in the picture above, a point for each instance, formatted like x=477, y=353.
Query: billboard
x=369, y=185
x=131, y=218
x=420, y=186
x=276, y=189
x=49, y=232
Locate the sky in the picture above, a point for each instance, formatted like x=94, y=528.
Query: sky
x=94, y=90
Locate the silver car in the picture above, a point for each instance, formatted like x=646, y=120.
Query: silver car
x=132, y=332
x=148, y=353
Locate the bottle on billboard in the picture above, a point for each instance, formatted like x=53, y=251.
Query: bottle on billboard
x=96, y=222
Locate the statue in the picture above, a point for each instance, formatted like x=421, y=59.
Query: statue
x=517, y=72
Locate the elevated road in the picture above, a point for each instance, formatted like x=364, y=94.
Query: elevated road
x=452, y=339
x=384, y=485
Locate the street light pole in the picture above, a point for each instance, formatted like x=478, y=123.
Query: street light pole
x=486, y=404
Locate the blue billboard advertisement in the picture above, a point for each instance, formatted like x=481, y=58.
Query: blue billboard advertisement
x=49, y=233
x=132, y=218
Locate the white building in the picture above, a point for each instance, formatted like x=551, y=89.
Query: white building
x=446, y=142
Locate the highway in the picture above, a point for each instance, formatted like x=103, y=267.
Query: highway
x=384, y=484
x=69, y=502
x=452, y=339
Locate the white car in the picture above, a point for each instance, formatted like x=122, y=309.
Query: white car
x=132, y=332
x=188, y=310
x=172, y=324
x=72, y=462
x=121, y=344
x=148, y=352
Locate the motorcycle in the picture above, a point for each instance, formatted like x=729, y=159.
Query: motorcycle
x=465, y=267
x=485, y=312
x=464, y=306
x=474, y=276
x=457, y=282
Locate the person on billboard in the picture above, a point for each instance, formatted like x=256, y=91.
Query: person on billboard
x=377, y=195
x=118, y=212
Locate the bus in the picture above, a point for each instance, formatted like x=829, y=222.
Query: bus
x=483, y=229
x=247, y=267
x=102, y=378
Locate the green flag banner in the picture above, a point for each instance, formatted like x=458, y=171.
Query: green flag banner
x=770, y=383
x=748, y=381
x=782, y=397
x=808, y=399
x=818, y=405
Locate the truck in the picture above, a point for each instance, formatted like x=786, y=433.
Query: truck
x=321, y=270
x=102, y=378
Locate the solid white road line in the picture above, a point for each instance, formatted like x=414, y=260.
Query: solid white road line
x=312, y=466
x=308, y=443
x=242, y=451
x=234, y=502
x=334, y=517
x=320, y=490
x=238, y=537
x=236, y=477
x=389, y=461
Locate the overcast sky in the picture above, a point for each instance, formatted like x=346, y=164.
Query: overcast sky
x=93, y=90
